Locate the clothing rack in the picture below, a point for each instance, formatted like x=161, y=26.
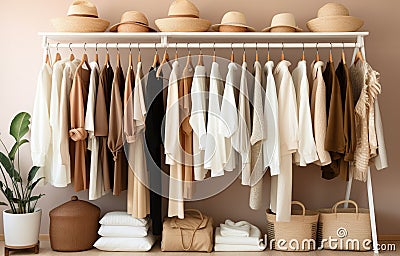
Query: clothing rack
x=157, y=40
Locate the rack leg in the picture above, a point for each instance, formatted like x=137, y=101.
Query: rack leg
x=372, y=213
x=348, y=188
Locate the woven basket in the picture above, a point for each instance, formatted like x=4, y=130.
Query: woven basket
x=299, y=234
x=350, y=227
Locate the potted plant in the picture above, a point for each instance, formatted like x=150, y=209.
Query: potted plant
x=21, y=221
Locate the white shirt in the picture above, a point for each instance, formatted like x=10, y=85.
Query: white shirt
x=215, y=152
x=318, y=113
x=271, y=146
x=306, y=152
x=197, y=121
x=41, y=147
x=172, y=146
x=96, y=187
x=229, y=117
x=241, y=138
x=288, y=135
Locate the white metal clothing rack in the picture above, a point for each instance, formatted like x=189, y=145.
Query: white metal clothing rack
x=220, y=40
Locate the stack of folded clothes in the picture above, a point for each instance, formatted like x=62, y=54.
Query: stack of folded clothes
x=119, y=231
x=239, y=236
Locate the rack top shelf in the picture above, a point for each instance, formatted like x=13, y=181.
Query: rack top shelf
x=202, y=37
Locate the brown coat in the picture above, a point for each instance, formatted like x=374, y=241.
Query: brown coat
x=103, y=99
x=334, y=140
x=79, y=157
x=115, y=133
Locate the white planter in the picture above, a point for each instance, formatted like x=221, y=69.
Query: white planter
x=21, y=229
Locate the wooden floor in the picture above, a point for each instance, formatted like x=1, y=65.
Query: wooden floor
x=46, y=250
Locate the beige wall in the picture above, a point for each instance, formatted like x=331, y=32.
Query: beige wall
x=20, y=48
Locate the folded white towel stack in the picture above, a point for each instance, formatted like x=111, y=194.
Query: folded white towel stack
x=239, y=236
x=119, y=231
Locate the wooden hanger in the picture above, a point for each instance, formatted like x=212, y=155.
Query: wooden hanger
x=256, y=52
x=85, y=58
x=164, y=60
x=118, y=61
x=244, y=54
x=156, y=59
x=317, y=58
x=130, y=61
x=71, y=56
x=139, y=57
x=58, y=55
x=214, y=55
x=232, y=54
x=343, y=55
x=200, y=59
x=189, y=59
x=359, y=56
x=96, y=56
x=107, y=60
x=176, y=53
x=282, y=54
x=47, y=60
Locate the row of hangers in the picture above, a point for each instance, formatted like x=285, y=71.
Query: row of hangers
x=166, y=58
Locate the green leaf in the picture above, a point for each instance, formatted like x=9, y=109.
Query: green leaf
x=2, y=203
x=16, y=200
x=34, y=198
x=33, y=185
x=7, y=164
x=9, y=194
x=32, y=173
x=20, y=125
x=16, y=146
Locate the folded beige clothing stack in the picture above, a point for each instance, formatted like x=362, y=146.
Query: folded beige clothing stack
x=119, y=231
x=239, y=236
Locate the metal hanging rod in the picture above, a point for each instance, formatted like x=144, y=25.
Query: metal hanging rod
x=203, y=45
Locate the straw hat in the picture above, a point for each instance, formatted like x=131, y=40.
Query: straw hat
x=334, y=17
x=233, y=22
x=183, y=16
x=82, y=17
x=132, y=21
x=283, y=22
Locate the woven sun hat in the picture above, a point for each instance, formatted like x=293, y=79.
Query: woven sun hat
x=233, y=21
x=334, y=17
x=132, y=21
x=283, y=22
x=82, y=17
x=183, y=16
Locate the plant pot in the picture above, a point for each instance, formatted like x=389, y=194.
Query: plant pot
x=21, y=229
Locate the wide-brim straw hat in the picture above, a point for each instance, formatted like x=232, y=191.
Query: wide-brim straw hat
x=334, y=17
x=235, y=19
x=132, y=21
x=82, y=17
x=283, y=20
x=183, y=16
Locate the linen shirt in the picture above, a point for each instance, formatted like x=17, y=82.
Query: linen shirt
x=215, y=151
x=198, y=121
x=306, y=152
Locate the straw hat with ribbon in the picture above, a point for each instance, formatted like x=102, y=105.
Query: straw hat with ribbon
x=233, y=21
x=183, y=16
x=283, y=22
x=82, y=17
x=132, y=21
x=334, y=17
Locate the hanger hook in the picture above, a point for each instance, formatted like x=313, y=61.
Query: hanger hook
x=84, y=47
x=130, y=48
x=232, y=47
x=316, y=46
x=330, y=50
x=69, y=46
x=117, y=48
x=138, y=47
x=268, y=48
x=256, y=48
x=57, y=46
x=343, y=46
x=201, y=53
x=282, y=47
x=155, y=47
x=96, y=47
x=244, y=48
x=107, y=47
x=303, y=48
x=187, y=46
